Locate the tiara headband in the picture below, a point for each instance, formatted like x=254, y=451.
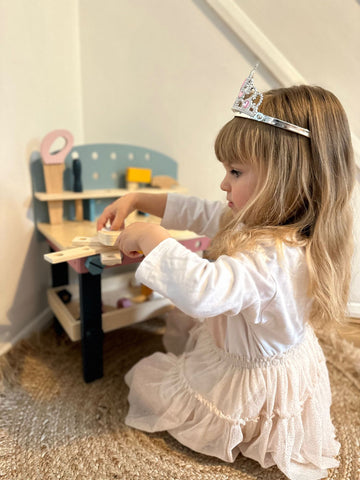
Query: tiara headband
x=248, y=101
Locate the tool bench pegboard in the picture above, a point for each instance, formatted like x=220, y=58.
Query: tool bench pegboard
x=103, y=166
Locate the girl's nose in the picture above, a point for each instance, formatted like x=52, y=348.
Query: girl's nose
x=224, y=185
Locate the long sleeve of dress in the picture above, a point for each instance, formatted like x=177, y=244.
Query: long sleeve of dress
x=191, y=213
x=201, y=288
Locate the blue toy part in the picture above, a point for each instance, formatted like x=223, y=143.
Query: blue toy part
x=103, y=166
x=94, y=265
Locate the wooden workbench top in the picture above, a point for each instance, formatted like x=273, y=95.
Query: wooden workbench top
x=61, y=235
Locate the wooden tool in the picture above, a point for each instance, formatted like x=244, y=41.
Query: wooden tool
x=54, y=165
x=107, y=238
x=102, y=243
x=78, y=252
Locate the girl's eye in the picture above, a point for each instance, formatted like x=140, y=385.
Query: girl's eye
x=235, y=173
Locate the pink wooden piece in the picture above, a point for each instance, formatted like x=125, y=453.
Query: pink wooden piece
x=59, y=157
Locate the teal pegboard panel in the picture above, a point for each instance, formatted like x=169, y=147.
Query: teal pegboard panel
x=103, y=165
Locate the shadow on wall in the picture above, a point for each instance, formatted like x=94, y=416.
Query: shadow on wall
x=30, y=300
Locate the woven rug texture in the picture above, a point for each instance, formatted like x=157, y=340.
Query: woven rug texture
x=55, y=426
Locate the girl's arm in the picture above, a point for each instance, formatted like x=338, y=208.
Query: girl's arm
x=179, y=212
x=141, y=238
x=116, y=212
x=198, y=287
x=185, y=212
x=201, y=288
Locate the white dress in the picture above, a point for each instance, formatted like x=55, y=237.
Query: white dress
x=251, y=378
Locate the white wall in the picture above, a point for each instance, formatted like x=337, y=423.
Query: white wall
x=320, y=38
x=161, y=74
x=39, y=92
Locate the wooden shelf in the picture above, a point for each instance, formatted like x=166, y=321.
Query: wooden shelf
x=112, y=318
x=101, y=193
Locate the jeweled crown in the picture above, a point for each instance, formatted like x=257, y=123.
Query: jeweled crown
x=248, y=101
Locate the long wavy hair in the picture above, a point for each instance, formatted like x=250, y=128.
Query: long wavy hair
x=304, y=190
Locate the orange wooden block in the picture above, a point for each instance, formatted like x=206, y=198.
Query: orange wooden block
x=146, y=290
x=138, y=175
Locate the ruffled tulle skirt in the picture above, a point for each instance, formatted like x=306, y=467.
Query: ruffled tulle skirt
x=274, y=410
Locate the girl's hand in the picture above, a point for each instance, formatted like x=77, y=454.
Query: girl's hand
x=140, y=238
x=117, y=211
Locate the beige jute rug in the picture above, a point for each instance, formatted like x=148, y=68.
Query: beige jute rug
x=55, y=426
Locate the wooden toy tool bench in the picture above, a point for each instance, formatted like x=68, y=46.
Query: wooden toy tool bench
x=103, y=168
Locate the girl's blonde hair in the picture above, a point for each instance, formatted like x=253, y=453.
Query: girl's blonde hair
x=304, y=190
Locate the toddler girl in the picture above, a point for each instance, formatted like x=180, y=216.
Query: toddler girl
x=245, y=373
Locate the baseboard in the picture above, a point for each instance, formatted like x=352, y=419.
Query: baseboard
x=40, y=322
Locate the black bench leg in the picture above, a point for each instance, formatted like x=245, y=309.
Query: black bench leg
x=91, y=326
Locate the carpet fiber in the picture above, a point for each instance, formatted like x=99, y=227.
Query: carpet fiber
x=55, y=426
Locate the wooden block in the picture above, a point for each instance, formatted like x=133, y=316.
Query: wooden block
x=108, y=237
x=146, y=290
x=131, y=186
x=139, y=299
x=138, y=175
x=111, y=258
x=163, y=181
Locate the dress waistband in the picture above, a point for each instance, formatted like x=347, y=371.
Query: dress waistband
x=309, y=341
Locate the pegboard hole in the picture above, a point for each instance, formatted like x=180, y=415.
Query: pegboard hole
x=114, y=176
x=95, y=176
x=94, y=155
x=147, y=156
x=113, y=156
x=131, y=156
x=75, y=155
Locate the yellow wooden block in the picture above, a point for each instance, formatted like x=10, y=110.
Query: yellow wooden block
x=140, y=175
x=146, y=290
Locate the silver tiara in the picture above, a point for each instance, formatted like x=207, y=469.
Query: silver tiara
x=248, y=101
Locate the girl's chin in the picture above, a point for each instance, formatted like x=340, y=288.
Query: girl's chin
x=233, y=207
